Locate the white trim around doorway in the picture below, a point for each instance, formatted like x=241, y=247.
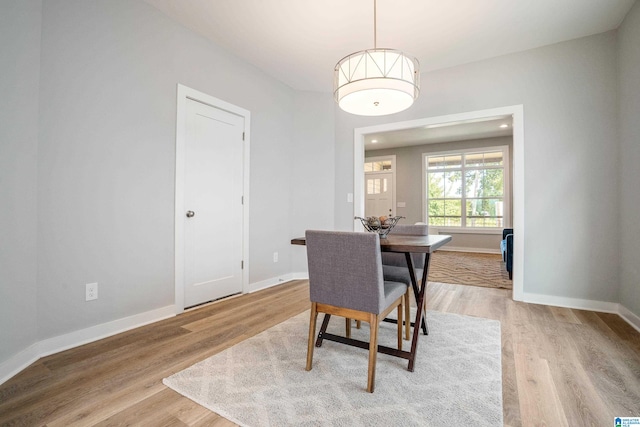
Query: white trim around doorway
x=185, y=93
x=517, y=113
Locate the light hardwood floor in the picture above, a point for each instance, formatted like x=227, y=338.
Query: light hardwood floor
x=561, y=367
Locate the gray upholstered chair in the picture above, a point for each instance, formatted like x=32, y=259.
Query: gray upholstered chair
x=345, y=279
x=394, y=265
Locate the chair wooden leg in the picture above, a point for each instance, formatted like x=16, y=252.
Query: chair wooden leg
x=312, y=334
x=358, y=324
x=347, y=327
x=374, y=323
x=407, y=313
x=400, y=325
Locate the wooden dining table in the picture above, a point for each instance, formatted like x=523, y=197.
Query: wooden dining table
x=406, y=244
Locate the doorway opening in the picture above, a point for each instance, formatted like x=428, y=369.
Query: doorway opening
x=516, y=113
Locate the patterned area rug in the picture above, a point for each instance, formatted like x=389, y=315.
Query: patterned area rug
x=262, y=381
x=466, y=268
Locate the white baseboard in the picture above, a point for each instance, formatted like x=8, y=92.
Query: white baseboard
x=264, y=284
x=474, y=250
x=629, y=317
x=580, y=304
x=585, y=304
x=103, y=330
x=73, y=339
x=18, y=362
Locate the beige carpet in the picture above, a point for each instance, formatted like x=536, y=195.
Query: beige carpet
x=262, y=381
x=466, y=268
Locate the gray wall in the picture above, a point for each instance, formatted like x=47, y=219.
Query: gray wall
x=107, y=157
x=629, y=90
x=19, y=61
x=312, y=171
x=571, y=157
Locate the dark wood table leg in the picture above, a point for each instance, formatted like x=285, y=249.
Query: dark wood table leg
x=416, y=334
x=323, y=329
x=414, y=284
x=419, y=318
x=425, y=274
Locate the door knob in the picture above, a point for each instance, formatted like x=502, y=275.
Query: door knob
x=190, y=214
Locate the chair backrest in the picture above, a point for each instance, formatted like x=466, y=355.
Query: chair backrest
x=411, y=230
x=345, y=270
x=506, y=232
x=389, y=258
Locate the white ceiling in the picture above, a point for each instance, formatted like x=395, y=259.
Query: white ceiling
x=300, y=41
x=489, y=127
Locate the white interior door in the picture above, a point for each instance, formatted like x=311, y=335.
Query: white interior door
x=213, y=218
x=378, y=194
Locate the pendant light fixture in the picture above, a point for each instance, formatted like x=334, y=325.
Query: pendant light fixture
x=377, y=81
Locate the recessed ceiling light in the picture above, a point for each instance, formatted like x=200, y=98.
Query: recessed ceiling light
x=373, y=141
x=504, y=126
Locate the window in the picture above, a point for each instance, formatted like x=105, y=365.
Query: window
x=378, y=166
x=468, y=188
x=376, y=185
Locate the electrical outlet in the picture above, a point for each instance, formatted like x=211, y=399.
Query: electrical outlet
x=91, y=291
x=275, y=257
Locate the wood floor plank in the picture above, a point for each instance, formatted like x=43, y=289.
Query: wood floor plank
x=613, y=368
x=242, y=308
x=214, y=420
x=158, y=409
x=581, y=401
x=188, y=411
x=562, y=314
x=28, y=379
x=102, y=406
x=510, y=397
x=559, y=366
x=539, y=400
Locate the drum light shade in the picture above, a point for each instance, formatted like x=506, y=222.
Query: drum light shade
x=376, y=82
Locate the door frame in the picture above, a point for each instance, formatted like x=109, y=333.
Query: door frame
x=391, y=157
x=185, y=93
x=518, y=188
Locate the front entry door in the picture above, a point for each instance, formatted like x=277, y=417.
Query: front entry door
x=213, y=219
x=379, y=194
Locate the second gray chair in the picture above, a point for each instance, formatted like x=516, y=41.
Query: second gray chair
x=345, y=279
x=394, y=265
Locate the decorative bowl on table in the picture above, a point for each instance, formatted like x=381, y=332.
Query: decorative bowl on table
x=381, y=225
